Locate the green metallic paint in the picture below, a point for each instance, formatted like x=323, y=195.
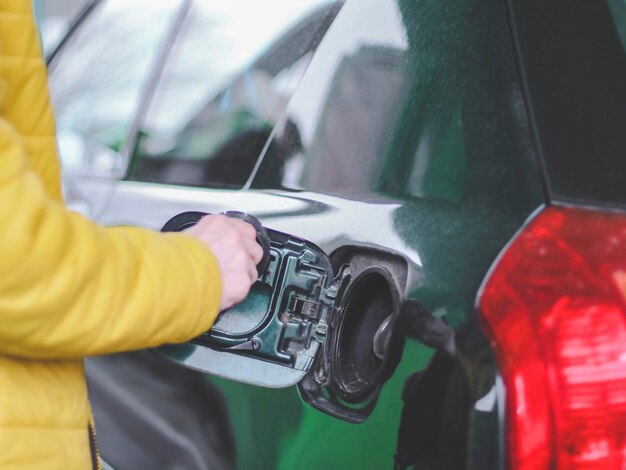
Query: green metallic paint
x=296, y=436
x=454, y=176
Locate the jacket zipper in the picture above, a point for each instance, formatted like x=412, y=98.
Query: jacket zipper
x=93, y=447
x=93, y=442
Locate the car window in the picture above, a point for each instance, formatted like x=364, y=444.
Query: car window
x=225, y=84
x=97, y=79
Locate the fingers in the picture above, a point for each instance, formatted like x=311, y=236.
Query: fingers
x=233, y=242
x=254, y=250
x=247, y=264
x=254, y=274
x=242, y=232
x=242, y=227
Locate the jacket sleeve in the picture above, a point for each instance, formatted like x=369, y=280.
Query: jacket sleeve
x=70, y=288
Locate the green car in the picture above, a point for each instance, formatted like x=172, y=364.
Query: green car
x=443, y=184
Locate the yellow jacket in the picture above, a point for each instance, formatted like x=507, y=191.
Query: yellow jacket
x=69, y=288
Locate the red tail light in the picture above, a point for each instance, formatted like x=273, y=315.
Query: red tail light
x=555, y=310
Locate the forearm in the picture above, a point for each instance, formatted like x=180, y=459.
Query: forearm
x=71, y=288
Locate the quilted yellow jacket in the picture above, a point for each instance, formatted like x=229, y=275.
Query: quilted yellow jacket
x=69, y=288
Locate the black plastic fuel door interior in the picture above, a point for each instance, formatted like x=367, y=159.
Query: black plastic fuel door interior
x=272, y=337
x=326, y=327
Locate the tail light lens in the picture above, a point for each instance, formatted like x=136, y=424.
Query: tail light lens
x=554, y=308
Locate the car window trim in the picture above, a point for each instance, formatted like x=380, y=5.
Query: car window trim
x=74, y=26
x=152, y=80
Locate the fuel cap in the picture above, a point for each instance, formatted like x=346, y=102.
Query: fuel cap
x=186, y=220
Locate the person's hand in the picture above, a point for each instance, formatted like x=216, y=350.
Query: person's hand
x=233, y=242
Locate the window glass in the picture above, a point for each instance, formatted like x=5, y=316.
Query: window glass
x=97, y=80
x=226, y=82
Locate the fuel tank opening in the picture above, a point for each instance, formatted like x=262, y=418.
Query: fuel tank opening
x=362, y=337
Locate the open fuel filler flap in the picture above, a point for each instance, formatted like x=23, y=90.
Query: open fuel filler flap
x=303, y=323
